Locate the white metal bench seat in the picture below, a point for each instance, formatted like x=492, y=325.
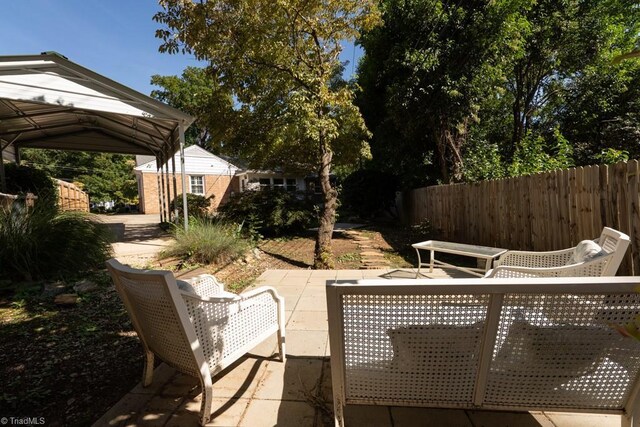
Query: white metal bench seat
x=511, y=344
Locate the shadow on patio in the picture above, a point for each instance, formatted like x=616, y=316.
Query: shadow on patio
x=259, y=390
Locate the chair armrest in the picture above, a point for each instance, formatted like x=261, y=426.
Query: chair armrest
x=228, y=327
x=207, y=285
x=535, y=259
x=594, y=267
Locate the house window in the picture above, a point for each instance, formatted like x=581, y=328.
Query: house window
x=265, y=183
x=292, y=185
x=278, y=183
x=197, y=184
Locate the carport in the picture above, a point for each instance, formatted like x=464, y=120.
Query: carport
x=49, y=102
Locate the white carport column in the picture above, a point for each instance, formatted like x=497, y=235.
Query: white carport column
x=175, y=186
x=168, y=188
x=183, y=175
x=160, y=204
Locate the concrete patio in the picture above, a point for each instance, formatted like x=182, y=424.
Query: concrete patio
x=259, y=390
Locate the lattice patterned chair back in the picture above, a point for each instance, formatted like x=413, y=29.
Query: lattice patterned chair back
x=560, y=263
x=197, y=334
x=501, y=344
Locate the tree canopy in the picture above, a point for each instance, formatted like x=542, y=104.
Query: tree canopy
x=201, y=95
x=479, y=89
x=105, y=177
x=278, y=59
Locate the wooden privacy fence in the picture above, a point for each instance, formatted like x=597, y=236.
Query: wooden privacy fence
x=72, y=198
x=545, y=211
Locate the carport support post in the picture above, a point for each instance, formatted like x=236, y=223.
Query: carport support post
x=175, y=186
x=183, y=174
x=164, y=189
x=168, y=193
x=159, y=189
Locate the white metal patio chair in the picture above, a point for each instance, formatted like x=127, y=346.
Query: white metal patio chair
x=565, y=262
x=200, y=333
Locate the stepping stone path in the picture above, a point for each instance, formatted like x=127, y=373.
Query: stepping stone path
x=371, y=257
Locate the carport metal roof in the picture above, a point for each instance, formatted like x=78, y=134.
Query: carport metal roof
x=47, y=101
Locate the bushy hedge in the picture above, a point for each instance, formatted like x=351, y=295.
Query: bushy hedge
x=24, y=179
x=270, y=212
x=368, y=193
x=41, y=242
x=207, y=241
x=197, y=205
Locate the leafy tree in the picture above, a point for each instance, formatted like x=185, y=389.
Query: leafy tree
x=601, y=115
x=198, y=93
x=561, y=41
x=103, y=176
x=278, y=58
x=478, y=89
x=423, y=77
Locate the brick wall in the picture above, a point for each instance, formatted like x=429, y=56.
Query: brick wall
x=219, y=186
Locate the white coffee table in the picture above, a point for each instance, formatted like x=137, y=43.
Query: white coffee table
x=487, y=253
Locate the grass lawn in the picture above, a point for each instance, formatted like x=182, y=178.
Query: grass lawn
x=71, y=364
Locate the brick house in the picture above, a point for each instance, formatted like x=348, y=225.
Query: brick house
x=207, y=175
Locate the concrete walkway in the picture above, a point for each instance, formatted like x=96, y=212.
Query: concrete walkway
x=260, y=391
x=138, y=237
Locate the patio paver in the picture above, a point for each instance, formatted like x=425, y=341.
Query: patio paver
x=259, y=390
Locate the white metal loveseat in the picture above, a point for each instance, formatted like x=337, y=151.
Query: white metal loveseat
x=500, y=344
x=199, y=333
x=560, y=263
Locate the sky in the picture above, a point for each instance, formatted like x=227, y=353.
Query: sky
x=115, y=38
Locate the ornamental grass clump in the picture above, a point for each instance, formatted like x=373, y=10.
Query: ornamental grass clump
x=207, y=242
x=43, y=242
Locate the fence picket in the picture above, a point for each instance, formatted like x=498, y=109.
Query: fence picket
x=546, y=211
x=633, y=172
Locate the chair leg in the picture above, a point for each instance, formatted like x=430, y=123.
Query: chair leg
x=147, y=374
x=207, y=403
x=338, y=413
x=281, y=331
x=281, y=346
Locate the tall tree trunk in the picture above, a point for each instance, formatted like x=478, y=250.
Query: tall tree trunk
x=450, y=140
x=517, y=131
x=323, y=256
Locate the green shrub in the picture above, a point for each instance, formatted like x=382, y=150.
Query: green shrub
x=197, y=205
x=41, y=242
x=24, y=179
x=272, y=212
x=207, y=242
x=368, y=192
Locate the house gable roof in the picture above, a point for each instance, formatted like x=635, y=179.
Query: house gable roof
x=197, y=160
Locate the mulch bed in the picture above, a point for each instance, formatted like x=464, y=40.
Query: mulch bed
x=66, y=364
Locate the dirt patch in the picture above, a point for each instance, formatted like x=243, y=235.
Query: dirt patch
x=67, y=364
x=284, y=254
x=71, y=364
